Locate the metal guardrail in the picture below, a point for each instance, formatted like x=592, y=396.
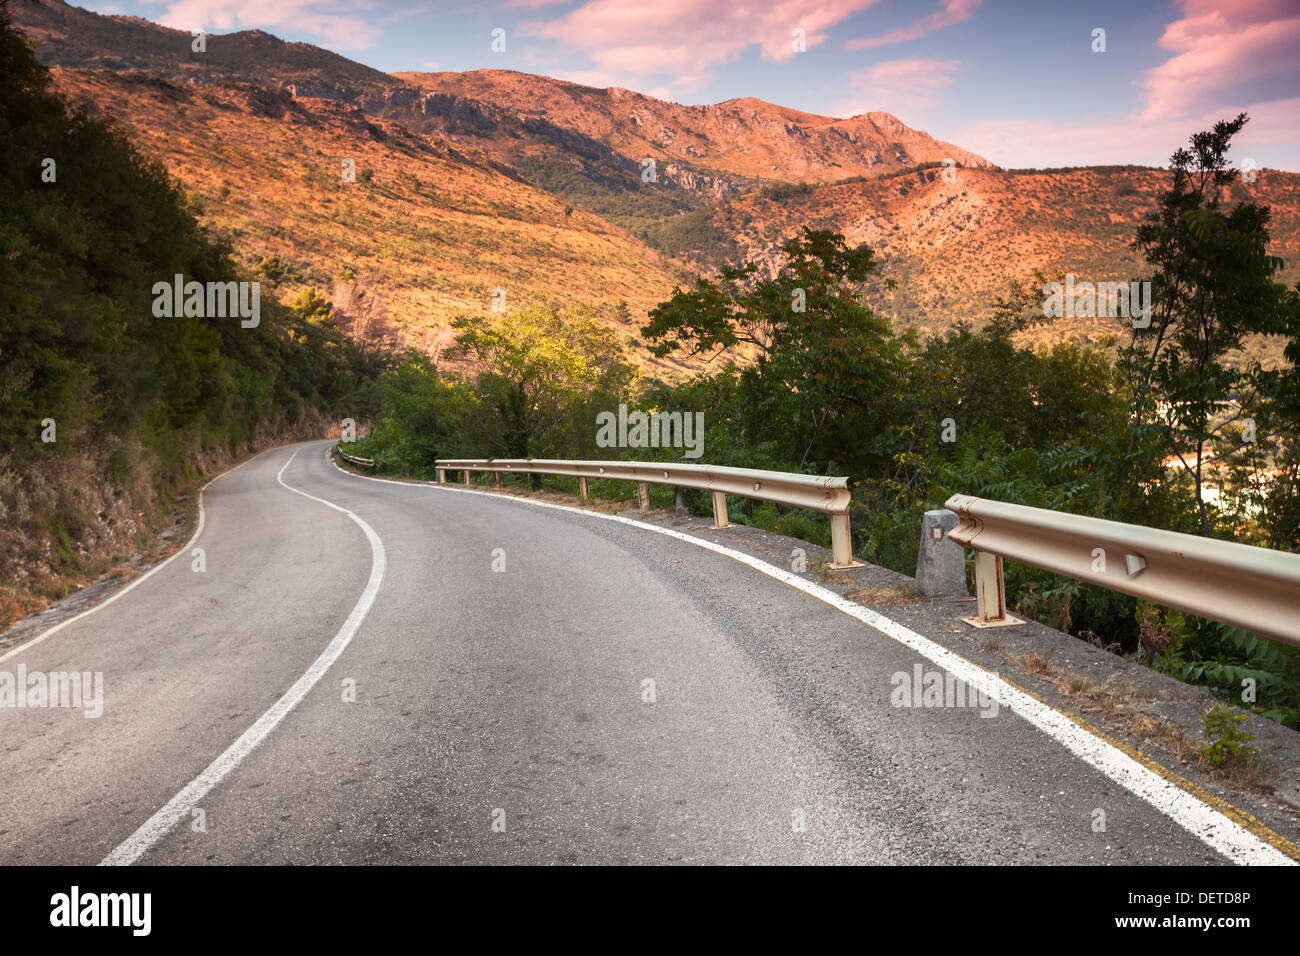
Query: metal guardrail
x=827, y=495
x=352, y=459
x=1257, y=589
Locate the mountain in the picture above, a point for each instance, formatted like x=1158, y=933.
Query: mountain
x=578, y=141
x=591, y=145
x=747, y=139
x=953, y=246
x=494, y=179
x=427, y=231
x=71, y=37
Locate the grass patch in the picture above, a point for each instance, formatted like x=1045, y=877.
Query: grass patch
x=1037, y=663
x=895, y=595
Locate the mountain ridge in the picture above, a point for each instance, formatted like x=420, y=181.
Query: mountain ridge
x=79, y=39
x=557, y=168
x=721, y=136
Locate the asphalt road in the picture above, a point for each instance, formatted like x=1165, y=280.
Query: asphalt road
x=489, y=716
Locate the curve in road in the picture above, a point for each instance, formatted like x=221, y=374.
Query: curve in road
x=604, y=695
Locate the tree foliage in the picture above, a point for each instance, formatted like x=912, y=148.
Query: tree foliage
x=87, y=227
x=1212, y=288
x=540, y=369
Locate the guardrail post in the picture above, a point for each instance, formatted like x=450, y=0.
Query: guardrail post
x=841, y=542
x=720, y=510
x=582, y=488
x=643, y=496
x=496, y=479
x=442, y=476
x=466, y=474
x=990, y=593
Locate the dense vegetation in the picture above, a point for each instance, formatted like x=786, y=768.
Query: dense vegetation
x=110, y=411
x=106, y=409
x=691, y=234
x=818, y=382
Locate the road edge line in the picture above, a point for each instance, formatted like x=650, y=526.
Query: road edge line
x=55, y=628
x=1207, y=823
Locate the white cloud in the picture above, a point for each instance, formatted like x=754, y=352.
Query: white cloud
x=1229, y=56
x=679, y=42
x=337, y=25
x=1270, y=138
x=901, y=87
x=954, y=11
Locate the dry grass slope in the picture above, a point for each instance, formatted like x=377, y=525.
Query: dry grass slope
x=431, y=228
x=953, y=246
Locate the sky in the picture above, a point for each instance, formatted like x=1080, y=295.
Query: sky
x=1022, y=83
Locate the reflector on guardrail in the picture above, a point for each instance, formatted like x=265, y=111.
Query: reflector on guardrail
x=1257, y=589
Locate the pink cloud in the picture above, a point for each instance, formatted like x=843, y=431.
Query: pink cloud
x=684, y=39
x=1270, y=133
x=897, y=86
x=954, y=11
x=1223, y=52
x=1228, y=56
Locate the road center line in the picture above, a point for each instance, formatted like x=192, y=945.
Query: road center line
x=179, y=806
x=1207, y=824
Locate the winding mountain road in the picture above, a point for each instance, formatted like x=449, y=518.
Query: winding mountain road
x=349, y=680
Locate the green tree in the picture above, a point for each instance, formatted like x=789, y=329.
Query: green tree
x=313, y=307
x=87, y=227
x=536, y=368
x=1212, y=287
x=424, y=415
x=1268, y=469
x=821, y=366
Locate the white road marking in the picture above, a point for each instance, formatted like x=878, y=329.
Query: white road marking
x=134, y=584
x=179, y=806
x=1198, y=818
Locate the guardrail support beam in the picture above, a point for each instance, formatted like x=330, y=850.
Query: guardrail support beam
x=828, y=495
x=990, y=593
x=442, y=476
x=720, y=510
x=842, y=543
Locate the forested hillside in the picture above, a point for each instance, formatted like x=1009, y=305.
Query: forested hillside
x=110, y=412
